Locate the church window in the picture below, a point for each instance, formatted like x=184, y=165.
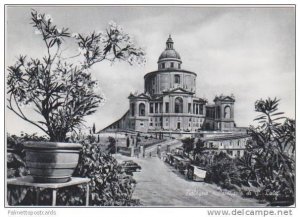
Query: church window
x=177, y=79
x=207, y=126
x=172, y=65
x=167, y=107
x=227, y=112
x=201, y=109
x=160, y=107
x=179, y=65
x=178, y=105
x=156, y=107
x=132, y=109
x=142, y=109
x=218, y=112
x=189, y=107
x=151, y=107
x=163, y=65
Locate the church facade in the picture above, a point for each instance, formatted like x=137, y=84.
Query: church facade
x=169, y=102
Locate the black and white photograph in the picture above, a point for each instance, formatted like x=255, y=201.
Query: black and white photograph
x=150, y=106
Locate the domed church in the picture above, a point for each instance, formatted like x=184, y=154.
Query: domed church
x=169, y=102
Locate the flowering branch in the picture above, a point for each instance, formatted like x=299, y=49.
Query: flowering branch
x=63, y=92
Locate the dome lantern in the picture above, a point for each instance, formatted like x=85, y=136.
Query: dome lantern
x=169, y=43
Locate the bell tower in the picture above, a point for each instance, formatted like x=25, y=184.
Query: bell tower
x=224, y=113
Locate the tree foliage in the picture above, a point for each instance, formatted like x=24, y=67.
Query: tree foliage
x=188, y=144
x=61, y=89
x=199, y=147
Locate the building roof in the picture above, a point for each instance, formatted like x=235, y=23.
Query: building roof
x=227, y=137
x=172, y=70
x=198, y=99
x=169, y=54
x=224, y=98
x=210, y=105
x=177, y=90
x=116, y=122
x=146, y=96
x=139, y=96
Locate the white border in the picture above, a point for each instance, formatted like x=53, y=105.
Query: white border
x=124, y=211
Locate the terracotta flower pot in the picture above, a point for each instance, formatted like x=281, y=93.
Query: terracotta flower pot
x=52, y=162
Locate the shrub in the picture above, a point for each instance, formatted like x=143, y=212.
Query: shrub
x=221, y=170
x=111, y=148
x=273, y=152
x=267, y=169
x=109, y=185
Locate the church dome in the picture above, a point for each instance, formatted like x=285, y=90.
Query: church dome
x=169, y=52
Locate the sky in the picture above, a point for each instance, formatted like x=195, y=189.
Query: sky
x=245, y=51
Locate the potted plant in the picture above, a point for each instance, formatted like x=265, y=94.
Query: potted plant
x=60, y=88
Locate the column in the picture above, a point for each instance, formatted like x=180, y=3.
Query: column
x=87, y=194
x=54, y=192
x=158, y=77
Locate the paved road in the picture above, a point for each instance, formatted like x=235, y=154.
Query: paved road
x=159, y=184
